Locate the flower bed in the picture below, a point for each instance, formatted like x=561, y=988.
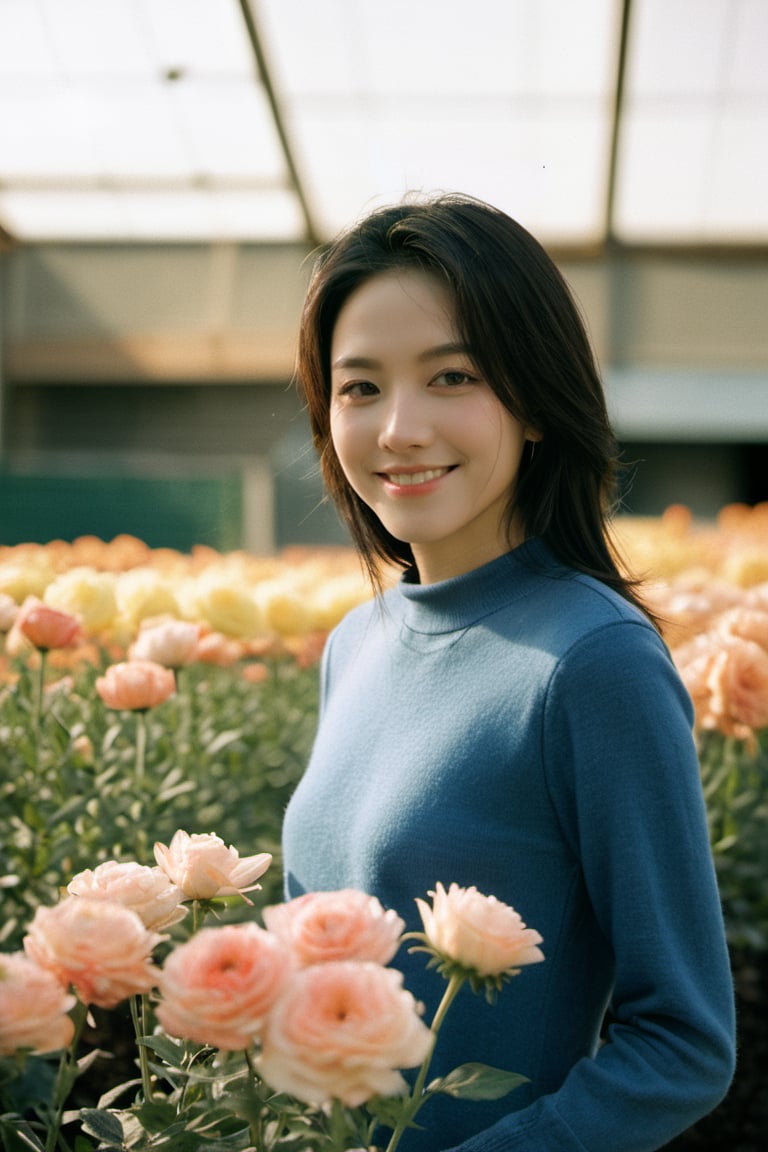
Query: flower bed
x=145, y=690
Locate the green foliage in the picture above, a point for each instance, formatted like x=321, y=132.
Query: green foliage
x=735, y=779
x=223, y=755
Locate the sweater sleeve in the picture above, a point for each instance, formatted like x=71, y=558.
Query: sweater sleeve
x=624, y=779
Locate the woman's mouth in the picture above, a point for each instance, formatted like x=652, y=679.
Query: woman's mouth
x=411, y=479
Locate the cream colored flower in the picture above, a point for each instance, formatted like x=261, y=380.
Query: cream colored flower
x=478, y=932
x=85, y=593
x=203, y=867
x=172, y=643
x=342, y=1031
x=8, y=611
x=33, y=1007
x=102, y=949
x=218, y=987
x=147, y=891
x=343, y=925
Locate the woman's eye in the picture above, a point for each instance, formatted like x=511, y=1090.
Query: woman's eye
x=358, y=389
x=455, y=378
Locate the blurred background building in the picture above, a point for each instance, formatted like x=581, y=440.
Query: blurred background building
x=168, y=167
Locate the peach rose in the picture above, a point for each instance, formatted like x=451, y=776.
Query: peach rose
x=478, y=932
x=146, y=891
x=343, y=925
x=102, y=949
x=33, y=1007
x=218, y=987
x=136, y=685
x=694, y=662
x=172, y=643
x=341, y=1031
x=738, y=682
x=748, y=623
x=203, y=867
x=215, y=648
x=47, y=627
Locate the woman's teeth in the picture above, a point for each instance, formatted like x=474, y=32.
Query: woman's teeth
x=406, y=478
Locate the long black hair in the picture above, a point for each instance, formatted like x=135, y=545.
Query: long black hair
x=523, y=330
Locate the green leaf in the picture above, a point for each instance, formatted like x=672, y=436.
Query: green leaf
x=17, y=1136
x=104, y=1125
x=168, y=1050
x=477, y=1082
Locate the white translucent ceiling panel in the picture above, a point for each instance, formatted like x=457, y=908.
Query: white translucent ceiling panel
x=109, y=104
x=508, y=101
x=179, y=214
x=693, y=162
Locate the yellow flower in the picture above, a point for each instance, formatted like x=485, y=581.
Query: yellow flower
x=144, y=592
x=226, y=605
x=283, y=608
x=86, y=593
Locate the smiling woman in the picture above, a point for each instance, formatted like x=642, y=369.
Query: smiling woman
x=507, y=716
x=423, y=440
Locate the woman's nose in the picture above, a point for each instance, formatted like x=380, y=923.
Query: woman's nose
x=406, y=424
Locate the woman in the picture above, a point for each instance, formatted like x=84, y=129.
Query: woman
x=507, y=715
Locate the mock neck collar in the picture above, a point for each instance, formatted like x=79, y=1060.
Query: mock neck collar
x=454, y=604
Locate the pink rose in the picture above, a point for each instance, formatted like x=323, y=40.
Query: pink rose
x=216, y=648
x=747, y=623
x=478, y=932
x=47, y=627
x=738, y=683
x=102, y=949
x=171, y=643
x=343, y=925
x=203, y=867
x=33, y=1007
x=341, y=1031
x=136, y=685
x=146, y=891
x=218, y=987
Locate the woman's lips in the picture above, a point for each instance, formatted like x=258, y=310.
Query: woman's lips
x=406, y=479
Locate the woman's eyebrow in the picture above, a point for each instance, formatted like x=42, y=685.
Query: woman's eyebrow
x=450, y=349
x=355, y=362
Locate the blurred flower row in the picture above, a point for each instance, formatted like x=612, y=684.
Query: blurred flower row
x=233, y=604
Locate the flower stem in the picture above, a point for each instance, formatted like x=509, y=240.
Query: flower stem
x=254, y=1114
x=139, y=1017
x=415, y=1098
x=40, y=691
x=65, y=1077
x=141, y=745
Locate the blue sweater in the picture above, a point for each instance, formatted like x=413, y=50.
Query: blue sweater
x=521, y=728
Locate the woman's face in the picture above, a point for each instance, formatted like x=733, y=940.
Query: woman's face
x=421, y=437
